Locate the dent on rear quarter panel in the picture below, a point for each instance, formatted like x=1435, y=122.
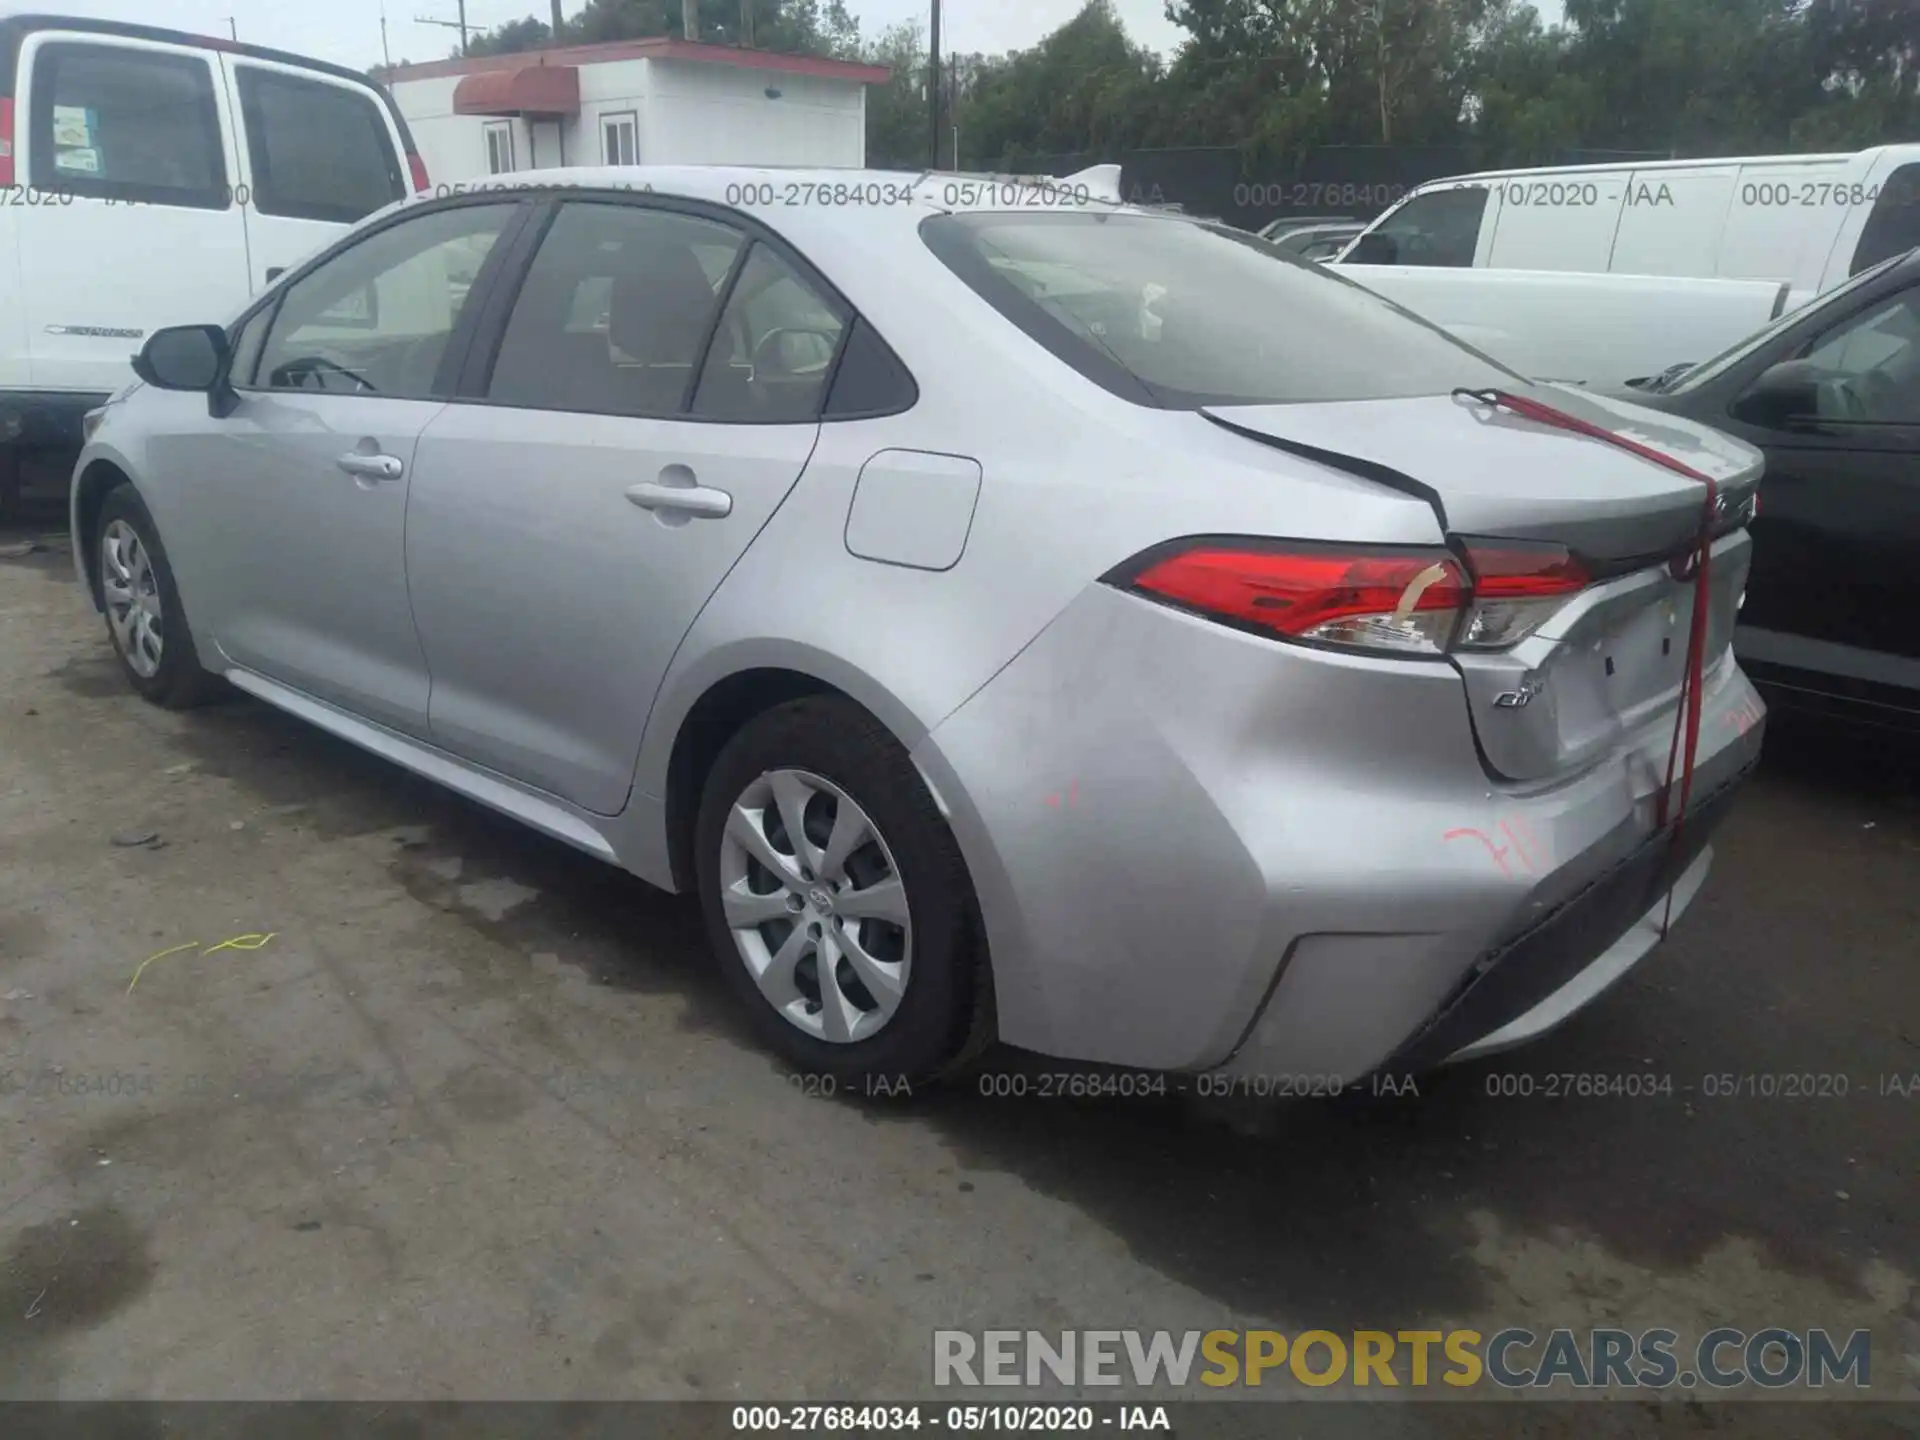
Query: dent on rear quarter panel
x=1153, y=807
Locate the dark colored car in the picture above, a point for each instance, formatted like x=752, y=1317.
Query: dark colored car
x=1312, y=237
x=1831, y=394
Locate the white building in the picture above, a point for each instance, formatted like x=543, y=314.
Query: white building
x=659, y=102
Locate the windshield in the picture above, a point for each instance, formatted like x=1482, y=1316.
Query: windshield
x=1176, y=314
x=1708, y=369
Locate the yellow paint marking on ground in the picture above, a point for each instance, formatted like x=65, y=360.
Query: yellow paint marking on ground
x=238, y=942
x=190, y=945
x=242, y=942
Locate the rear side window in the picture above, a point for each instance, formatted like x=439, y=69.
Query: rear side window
x=117, y=123
x=773, y=354
x=1176, y=315
x=614, y=312
x=1441, y=227
x=1893, y=225
x=319, y=151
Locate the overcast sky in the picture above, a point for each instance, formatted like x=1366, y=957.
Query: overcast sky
x=348, y=31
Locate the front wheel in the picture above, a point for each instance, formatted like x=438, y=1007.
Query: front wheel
x=836, y=899
x=145, y=619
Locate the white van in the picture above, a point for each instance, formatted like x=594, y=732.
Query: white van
x=150, y=178
x=1808, y=220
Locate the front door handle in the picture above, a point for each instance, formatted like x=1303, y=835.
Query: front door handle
x=685, y=499
x=371, y=467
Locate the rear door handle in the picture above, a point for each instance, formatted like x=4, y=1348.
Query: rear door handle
x=371, y=467
x=685, y=499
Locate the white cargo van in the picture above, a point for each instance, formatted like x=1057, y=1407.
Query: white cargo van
x=1809, y=220
x=149, y=178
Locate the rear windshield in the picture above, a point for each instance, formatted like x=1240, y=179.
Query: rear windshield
x=1175, y=314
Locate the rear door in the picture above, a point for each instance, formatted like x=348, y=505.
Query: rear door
x=654, y=397
x=128, y=220
x=318, y=153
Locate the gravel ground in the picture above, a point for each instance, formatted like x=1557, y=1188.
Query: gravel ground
x=477, y=1121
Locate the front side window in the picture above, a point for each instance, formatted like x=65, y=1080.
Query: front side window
x=376, y=318
x=773, y=353
x=614, y=311
x=117, y=123
x=1439, y=227
x=319, y=151
x=618, y=138
x=1893, y=225
x=245, y=343
x=1869, y=369
x=1173, y=314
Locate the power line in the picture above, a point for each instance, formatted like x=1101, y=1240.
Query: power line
x=460, y=24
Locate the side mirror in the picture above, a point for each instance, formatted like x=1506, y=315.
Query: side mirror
x=183, y=357
x=1781, y=394
x=1373, y=248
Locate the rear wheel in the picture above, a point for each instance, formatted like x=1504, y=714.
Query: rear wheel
x=145, y=620
x=836, y=899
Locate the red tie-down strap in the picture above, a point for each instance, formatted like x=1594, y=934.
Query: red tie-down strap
x=1693, y=686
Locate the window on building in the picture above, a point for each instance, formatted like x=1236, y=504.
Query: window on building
x=499, y=146
x=619, y=138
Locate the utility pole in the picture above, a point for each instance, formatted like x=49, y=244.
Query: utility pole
x=386, y=55
x=933, y=91
x=746, y=24
x=690, y=19
x=558, y=21
x=460, y=24
x=233, y=30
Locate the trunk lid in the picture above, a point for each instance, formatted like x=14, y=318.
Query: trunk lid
x=1614, y=656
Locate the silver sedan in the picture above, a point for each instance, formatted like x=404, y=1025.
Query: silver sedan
x=1011, y=615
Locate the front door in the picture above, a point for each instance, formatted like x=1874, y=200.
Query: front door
x=305, y=484
x=1835, y=584
x=129, y=220
x=563, y=536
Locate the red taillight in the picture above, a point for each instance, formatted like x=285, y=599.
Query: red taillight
x=1516, y=570
x=1406, y=600
x=417, y=168
x=6, y=141
x=1411, y=600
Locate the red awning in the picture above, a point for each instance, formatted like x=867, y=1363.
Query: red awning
x=528, y=90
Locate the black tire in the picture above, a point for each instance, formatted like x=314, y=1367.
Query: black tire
x=179, y=682
x=945, y=1017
